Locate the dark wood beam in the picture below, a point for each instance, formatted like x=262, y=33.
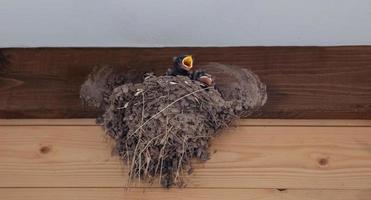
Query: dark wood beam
x=303, y=82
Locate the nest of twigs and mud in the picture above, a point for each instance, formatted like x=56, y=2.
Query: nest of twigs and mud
x=164, y=122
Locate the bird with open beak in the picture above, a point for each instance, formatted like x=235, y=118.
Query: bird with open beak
x=183, y=66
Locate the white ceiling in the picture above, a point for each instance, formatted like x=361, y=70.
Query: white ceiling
x=137, y=23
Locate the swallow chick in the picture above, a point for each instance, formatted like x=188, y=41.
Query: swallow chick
x=203, y=77
x=182, y=66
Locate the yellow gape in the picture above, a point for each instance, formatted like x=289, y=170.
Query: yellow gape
x=187, y=62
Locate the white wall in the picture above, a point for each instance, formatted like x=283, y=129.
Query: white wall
x=32, y=23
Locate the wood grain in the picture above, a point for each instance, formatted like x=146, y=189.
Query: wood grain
x=180, y=194
x=243, y=157
x=303, y=82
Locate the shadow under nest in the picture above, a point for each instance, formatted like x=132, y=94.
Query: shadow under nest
x=161, y=123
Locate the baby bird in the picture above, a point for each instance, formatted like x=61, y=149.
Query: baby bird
x=183, y=66
x=203, y=77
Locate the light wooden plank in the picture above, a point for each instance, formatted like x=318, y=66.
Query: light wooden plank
x=245, y=157
x=47, y=122
x=241, y=122
x=303, y=122
x=179, y=194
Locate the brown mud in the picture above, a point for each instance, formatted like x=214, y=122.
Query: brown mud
x=161, y=123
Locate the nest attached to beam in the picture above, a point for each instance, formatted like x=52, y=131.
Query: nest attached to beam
x=163, y=122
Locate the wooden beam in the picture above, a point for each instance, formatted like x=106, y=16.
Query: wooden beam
x=241, y=122
x=303, y=82
x=243, y=157
x=179, y=194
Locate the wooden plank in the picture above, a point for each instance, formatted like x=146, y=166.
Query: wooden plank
x=243, y=157
x=180, y=194
x=241, y=122
x=63, y=122
x=301, y=122
x=303, y=82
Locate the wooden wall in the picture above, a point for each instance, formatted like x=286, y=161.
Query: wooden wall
x=303, y=82
x=254, y=160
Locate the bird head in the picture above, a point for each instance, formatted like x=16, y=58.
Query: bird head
x=184, y=62
x=204, y=78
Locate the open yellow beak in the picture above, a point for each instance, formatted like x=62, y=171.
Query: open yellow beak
x=187, y=62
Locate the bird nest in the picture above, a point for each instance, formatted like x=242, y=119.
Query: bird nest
x=161, y=124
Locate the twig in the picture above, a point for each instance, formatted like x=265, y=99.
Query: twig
x=172, y=103
x=136, y=149
x=181, y=158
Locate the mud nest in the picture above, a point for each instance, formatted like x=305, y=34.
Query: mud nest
x=162, y=123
